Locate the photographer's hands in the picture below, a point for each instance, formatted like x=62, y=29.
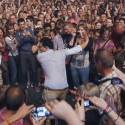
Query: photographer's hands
x=63, y=110
x=79, y=109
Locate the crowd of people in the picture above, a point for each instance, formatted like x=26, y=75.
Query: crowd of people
x=63, y=45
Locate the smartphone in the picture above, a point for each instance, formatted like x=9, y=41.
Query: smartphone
x=116, y=80
x=87, y=103
x=40, y=112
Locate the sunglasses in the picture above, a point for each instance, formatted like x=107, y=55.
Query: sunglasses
x=114, y=81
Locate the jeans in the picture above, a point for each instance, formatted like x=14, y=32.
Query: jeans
x=80, y=75
x=28, y=61
x=14, y=70
x=5, y=74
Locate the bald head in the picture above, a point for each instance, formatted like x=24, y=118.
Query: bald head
x=15, y=96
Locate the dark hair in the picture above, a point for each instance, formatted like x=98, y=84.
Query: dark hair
x=47, y=42
x=122, y=96
x=31, y=18
x=36, y=31
x=59, y=24
x=20, y=20
x=122, y=19
x=53, y=30
x=56, y=13
x=105, y=58
x=15, y=96
x=96, y=31
x=40, y=14
x=47, y=25
x=11, y=25
x=104, y=29
x=123, y=14
x=38, y=21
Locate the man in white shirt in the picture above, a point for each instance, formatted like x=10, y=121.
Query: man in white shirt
x=53, y=64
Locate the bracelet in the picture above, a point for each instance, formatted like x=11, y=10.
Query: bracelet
x=7, y=121
x=116, y=119
x=106, y=108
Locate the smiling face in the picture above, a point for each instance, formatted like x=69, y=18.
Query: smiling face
x=11, y=30
x=22, y=25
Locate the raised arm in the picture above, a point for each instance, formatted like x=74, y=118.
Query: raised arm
x=82, y=43
x=21, y=113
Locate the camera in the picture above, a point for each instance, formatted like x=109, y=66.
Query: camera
x=87, y=103
x=39, y=112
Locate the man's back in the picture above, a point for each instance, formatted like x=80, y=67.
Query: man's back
x=53, y=64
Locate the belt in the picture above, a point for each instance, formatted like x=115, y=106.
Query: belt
x=47, y=88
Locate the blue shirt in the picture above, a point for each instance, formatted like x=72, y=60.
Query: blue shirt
x=25, y=42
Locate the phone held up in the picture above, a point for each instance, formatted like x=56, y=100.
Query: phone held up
x=40, y=112
x=87, y=103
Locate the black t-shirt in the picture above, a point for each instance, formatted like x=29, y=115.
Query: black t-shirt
x=92, y=117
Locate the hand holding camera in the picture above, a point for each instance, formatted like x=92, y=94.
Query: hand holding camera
x=26, y=33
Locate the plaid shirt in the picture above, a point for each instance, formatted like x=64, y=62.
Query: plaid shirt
x=108, y=90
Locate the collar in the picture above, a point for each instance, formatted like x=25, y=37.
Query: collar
x=47, y=52
x=111, y=75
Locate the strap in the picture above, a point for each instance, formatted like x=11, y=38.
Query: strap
x=105, y=44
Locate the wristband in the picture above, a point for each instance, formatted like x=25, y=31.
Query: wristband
x=116, y=119
x=7, y=121
x=106, y=108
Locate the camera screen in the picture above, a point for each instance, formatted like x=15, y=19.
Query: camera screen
x=86, y=102
x=40, y=112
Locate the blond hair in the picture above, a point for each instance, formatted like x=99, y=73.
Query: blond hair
x=88, y=90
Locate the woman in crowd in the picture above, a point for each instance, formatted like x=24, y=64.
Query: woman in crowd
x=80, y=62
x=13, y=61
x=104, y=41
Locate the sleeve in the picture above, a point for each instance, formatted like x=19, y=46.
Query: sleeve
x=73, y=50
x=8, y=42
